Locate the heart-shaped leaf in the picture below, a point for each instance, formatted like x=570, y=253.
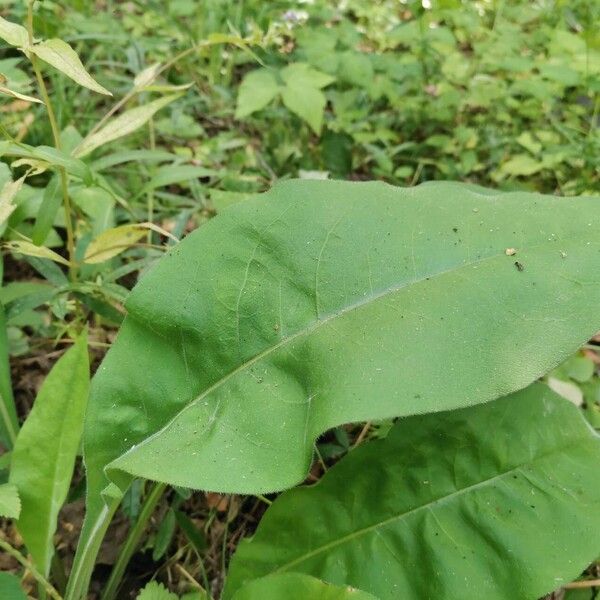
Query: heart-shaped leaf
x=494, y=501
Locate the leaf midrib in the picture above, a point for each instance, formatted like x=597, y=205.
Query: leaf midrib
x=316, y=325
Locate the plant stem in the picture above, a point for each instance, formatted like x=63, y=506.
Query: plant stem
x=8, y=422
x=51, y=591
x=56, y=135
x=93, y=534
x=132, y=541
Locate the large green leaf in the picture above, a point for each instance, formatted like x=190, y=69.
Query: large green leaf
x=326, y=302
x=495, y=501
x=45, y=451
x=296, y=586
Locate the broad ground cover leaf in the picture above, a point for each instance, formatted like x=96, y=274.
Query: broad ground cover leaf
x=44, y=454
x=296, y=586
x=257, y=90
x=325, y=302
x=483, y=502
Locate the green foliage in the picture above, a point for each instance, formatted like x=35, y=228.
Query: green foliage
x=10, y=587
x=46, y=448
x=10, y=504
x=326, y=338
x=300, y=90
x=439, y=501
x=295, y=312
x=295, y=586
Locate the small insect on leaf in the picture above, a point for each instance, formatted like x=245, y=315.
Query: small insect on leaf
x=519, y=266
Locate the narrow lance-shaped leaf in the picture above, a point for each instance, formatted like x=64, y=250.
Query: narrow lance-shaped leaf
x=62, y=57
x=126, y=123
x=494, y=501
x=296, y=586
x=47, y=212
x=9, y=425
x=317, y=304
x=7, y=196
x=45, y=452
x=8, y=92
x=29, y=249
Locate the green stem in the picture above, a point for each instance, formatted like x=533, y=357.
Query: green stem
x=85, y=558
x=132, y=541
x=8, y=422
x=30, y=567
x=56, y=135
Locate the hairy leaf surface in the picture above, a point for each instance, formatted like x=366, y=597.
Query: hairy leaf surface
x=483, y=502
x=324, y=302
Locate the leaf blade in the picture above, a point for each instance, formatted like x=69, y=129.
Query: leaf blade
x=123, y=125
x=62, y=57
x=296, y=586
x=300, y=328
x=441, y=507
x=257, y=90
x=13, y=33
x=10, y=504
x=46, y=448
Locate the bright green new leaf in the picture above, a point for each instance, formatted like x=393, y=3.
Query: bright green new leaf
x=484, y=502
x=302, y=94
x=303, y=75
x=126, y=123
x=156, y=591
x=297, y=586
x=258, y=88
x=10, y=587
x=51, y=203
x=14, y=34
x=61, y=56
x=307, y=102
x=46, y=448
x=29, y=249
x=10, y=504
x=319, y=303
